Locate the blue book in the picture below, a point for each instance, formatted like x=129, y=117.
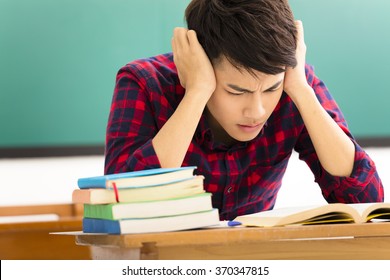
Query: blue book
x=138, y=179
x=159, y=224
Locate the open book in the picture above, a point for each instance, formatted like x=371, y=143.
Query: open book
x=329, y=213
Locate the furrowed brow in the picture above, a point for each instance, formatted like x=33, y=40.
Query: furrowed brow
x=275, y=86
x=240, y=89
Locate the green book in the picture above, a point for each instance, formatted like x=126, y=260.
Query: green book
x=150, y=209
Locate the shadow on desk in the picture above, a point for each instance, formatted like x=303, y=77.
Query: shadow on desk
x=26, y=236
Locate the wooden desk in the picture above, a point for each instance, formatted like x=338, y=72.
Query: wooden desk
x=33, y=241
x=337, y=241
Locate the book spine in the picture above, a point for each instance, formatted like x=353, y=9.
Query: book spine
x=91, y=225
x=87, y=183
x=99, y=211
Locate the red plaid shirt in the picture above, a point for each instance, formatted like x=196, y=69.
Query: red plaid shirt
x=244, y=178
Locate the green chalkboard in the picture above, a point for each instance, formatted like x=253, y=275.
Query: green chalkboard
x=348, y=42
x=58, y=61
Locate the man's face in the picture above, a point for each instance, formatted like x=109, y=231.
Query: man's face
x=242, y=102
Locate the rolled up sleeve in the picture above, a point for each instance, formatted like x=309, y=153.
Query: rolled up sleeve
x=131, y=126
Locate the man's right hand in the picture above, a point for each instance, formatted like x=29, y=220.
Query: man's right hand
x=194, y=68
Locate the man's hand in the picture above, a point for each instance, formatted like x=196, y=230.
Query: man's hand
x=295, y=78
x=194, y=68
x=335, y=151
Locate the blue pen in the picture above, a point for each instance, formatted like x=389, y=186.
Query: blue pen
x=233, y=223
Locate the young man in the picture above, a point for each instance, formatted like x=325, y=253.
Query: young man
x=235, y=99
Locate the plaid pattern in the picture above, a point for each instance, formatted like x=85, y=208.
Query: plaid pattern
x=244, y=178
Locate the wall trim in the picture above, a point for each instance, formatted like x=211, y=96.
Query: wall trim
x=380, y=142
x=51, y=151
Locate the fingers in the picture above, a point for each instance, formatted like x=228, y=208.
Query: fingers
x=298, y=23
x=173, y=45
x=299, y=26
x=192, y=38
x=194, y=68
x=180, y=38
x=184, y=39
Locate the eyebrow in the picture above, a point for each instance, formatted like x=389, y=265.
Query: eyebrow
x=275, y=86
x=240, y=89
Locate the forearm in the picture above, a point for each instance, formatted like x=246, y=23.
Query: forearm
x=334, y=149
x=172, y=141
x=197, y=76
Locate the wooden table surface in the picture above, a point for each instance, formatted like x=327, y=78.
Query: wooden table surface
x=332, y=241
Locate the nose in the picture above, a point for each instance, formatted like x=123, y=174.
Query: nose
x=254, y=108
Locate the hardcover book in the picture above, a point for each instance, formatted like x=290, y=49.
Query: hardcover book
x=160, y=224
x=138, y=179
x=187, y=187
x=151, y=209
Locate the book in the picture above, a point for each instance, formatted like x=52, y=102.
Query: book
x=154, y=200
x=142, y=178
x=160, y=208
x=160, y=224
x=329, y=213
x=187, y=187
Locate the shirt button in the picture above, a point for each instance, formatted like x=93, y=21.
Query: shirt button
x=229, y=190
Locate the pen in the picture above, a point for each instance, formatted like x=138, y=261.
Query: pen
x=233, y=223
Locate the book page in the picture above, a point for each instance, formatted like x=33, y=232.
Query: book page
x=335, y=212
x=286, y=211
x=361, y=207
x=373, y=210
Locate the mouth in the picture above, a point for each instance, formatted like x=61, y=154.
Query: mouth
x=250, y=128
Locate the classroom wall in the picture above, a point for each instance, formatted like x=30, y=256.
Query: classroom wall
x=58, y=61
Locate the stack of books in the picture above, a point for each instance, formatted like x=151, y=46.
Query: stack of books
x=154, y=200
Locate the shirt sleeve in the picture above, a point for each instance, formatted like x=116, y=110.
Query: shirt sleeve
x=131, y=125
x=364, y=184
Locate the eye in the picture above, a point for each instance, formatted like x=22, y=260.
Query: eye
x=235, y=93
x=271, y=90
x=274, y=88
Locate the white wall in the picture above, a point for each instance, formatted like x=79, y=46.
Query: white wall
x=299, y=187
x=52, y=180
